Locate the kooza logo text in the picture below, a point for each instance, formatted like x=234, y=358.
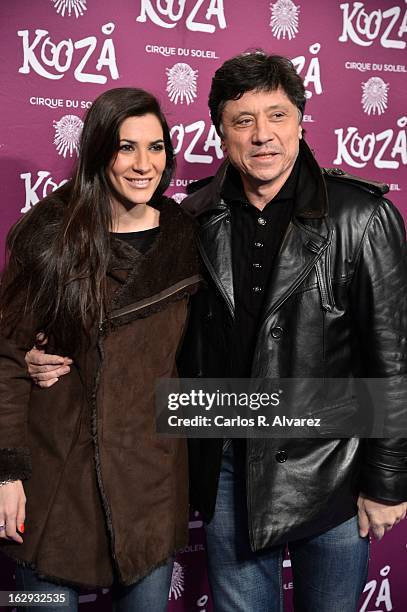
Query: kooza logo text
x=41, y=53
x=180, y=133
x=204, y=16
x=363, y=28
x=387, y=149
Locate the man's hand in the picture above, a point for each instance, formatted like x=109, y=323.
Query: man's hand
x=44, y=369
x=12, y=511
x=378, y=517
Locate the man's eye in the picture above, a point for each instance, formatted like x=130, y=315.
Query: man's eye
x=245, y=121
x=278, y=116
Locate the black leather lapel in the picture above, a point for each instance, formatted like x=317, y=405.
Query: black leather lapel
x=215, y=246
x=300, y=250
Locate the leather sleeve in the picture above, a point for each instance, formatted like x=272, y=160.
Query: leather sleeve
x=379, y=298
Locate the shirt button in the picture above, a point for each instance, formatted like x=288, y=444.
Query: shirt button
x=277, y=332
x=261, y=221
x=258, y=245
x=257, y=289
x=257, y=266
x=281, y=456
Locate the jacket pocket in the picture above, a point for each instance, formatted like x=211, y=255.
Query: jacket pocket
x=343, y=419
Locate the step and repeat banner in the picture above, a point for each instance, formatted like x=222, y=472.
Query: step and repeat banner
x=59, y=55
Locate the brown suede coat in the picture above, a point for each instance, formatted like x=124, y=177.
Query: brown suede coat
x=106, y=497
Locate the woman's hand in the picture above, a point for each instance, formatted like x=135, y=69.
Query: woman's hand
x=12, y=511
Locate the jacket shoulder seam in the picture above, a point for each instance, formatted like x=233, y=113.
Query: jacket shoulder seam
x=373, y=187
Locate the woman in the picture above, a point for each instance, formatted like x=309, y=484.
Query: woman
x=104, y=266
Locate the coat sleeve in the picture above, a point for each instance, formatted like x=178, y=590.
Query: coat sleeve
x=15, y=388
x=26, y=259
x=379, y=298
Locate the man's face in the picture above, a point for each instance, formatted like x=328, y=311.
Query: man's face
x=260, y=134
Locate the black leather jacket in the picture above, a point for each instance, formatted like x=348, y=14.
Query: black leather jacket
x=336, y=307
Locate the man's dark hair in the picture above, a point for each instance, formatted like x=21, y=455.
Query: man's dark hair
x=254, y=71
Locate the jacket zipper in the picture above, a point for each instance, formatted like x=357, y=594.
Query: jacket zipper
x=323, y=271
x=98, y=464
x=320, y=269
x=328, y=271
x=131, y=308
x=116, y=314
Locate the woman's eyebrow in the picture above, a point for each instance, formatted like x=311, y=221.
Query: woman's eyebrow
x=159, y=140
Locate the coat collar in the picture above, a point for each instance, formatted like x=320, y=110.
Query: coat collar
x=311, y=194
x=171, y=259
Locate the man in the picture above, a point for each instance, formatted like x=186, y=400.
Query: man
x=306, y=278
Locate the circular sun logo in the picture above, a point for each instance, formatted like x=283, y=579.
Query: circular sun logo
x=77, y=7
x=177, y=581
x=284, y=19
x=67, y=133
x=374, y=96
x=178, y=197
x=181, y=83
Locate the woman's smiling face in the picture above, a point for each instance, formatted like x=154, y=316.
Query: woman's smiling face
x=136, y=170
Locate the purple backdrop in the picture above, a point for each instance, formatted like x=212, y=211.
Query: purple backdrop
x=58, y=55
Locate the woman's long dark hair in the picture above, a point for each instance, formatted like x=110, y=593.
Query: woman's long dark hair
x=59, y=251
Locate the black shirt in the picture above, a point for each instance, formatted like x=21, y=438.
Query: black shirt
x=141, y=240
x=256, y=238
